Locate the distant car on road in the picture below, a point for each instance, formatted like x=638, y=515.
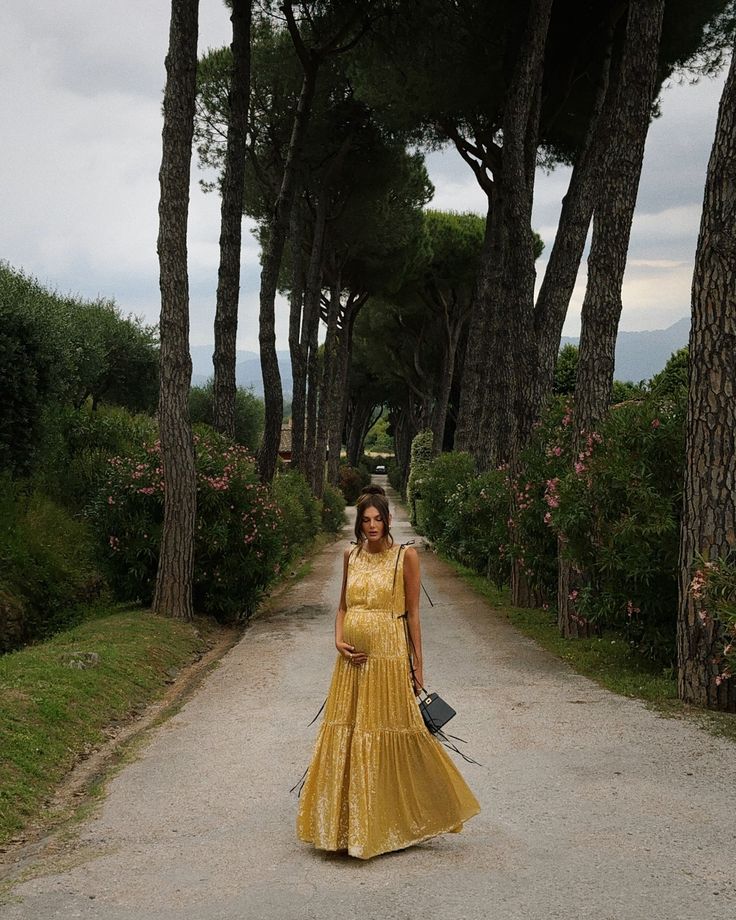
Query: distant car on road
x=380, y=468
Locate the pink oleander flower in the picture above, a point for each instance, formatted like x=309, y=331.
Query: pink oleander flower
x=573, y=596
x=656, y=423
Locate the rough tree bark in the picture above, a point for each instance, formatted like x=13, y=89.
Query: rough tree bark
x=231, y=219
x=327, y=385
x=508, y=339
x=572, y=231
x=271, y=264
x=709, y=501
x=339, y=398
x=173, y=592
x=301, y=346
x=298, y=359
x=453, y=318
x=467, y=429
x=618, y=184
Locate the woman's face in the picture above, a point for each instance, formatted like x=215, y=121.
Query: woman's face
x=373, y=526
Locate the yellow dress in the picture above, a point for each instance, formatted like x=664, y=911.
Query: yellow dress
x=378, y=780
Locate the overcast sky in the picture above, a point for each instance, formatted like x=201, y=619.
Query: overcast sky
x=80, y=110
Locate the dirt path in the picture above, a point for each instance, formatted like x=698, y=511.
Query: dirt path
x=594, y=808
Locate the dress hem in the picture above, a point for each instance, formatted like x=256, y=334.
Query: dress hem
x=453, y=829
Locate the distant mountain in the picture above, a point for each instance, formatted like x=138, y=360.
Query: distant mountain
x=640, y=355
x=247, y=369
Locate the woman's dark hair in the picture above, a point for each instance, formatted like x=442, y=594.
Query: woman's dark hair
x=372, y=497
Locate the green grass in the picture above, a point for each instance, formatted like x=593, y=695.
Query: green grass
x=608, y=660
x=50, y=714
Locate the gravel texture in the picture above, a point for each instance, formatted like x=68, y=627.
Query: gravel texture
x=593, y=807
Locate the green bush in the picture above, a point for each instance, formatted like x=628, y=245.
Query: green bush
x=240, y=543
x=442, y=477
x=618, y=511
x=713, y=589
x=546, y=459
x=421, y=457
x=27, y=382
x=395, y=477
x=333, y=510
x=351, y=483
x=77, y=445
x=48, y=572
x=249, y=413
x=300, y=510
x=476, y=530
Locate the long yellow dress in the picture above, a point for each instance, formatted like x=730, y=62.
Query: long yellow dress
x=378, y=780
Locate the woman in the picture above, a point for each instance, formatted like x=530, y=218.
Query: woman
x=378, y=780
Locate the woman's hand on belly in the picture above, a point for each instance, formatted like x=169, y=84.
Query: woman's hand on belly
x=348, y=651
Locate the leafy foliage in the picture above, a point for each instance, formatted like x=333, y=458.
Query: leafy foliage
x=248, y=413
x=713, y=588
x=421, y=457
x=48, y=571
x=333, y=509
x=63, y=351
x=240, y=540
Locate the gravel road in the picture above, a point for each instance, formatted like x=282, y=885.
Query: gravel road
x=593, y=807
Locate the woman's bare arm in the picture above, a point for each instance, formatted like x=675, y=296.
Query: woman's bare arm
x=411, y=594
x=346, y=650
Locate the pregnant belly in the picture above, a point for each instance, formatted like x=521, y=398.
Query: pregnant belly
x=373, y=632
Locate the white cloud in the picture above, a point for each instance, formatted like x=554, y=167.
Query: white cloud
x=80, y=108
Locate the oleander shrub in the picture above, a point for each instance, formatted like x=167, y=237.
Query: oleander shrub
x=333, y=509
x=618, y=511
x=240, y=540
x=300, y=511
x=713, y=589
x=546, y=459
x=78, y=444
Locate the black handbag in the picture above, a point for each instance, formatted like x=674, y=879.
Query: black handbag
x=435, y=711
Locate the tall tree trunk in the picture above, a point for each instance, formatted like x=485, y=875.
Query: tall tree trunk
x=618, y=183
x=341, y=388
x=271, y=265
x=572, y=231
x=231, y=219
x=338, y=407
x=506, y=384
x=453, y=323
x=298, y=358
x=309, y=332
x=327, y=384
x=709, y=500
x=173, y=592
x=471, y=397
x=310, y=433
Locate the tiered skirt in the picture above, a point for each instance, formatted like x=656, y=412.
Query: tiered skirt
x=378, y=780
